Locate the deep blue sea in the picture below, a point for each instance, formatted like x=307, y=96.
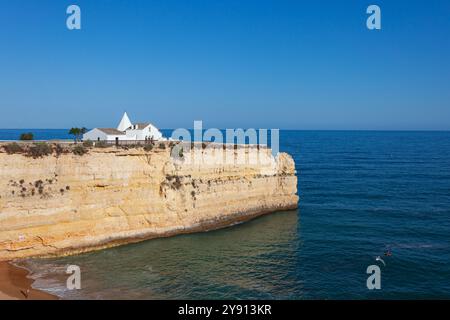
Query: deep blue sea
x=361, y=193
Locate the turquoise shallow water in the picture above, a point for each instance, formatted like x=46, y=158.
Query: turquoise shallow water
x=361, y=193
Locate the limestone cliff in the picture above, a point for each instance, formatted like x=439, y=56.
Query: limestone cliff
x=64, y=204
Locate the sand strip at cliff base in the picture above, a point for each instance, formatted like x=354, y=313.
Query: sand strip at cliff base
x=14, y=285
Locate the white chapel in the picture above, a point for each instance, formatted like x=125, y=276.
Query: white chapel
x=125, y=131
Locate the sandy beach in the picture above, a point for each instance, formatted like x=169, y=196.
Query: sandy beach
x=14, y=285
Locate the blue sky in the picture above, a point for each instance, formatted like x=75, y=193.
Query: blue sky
x=247, y=63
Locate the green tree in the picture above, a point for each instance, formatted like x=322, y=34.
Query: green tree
x=77, y=133
x=26, y=136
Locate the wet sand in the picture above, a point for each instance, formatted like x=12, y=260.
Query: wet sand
x=14, y=285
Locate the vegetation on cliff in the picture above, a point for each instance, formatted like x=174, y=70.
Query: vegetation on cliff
x=42, y=188
x=27, y=136
x=79, y=150
x=42, y=149
x=13, y=148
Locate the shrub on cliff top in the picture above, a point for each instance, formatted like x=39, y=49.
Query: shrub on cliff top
x=12, y=148
x=59, y=150
x=26, y=136
x=148, y=147
x=130, y=146
x=79, y=150
x=88, y=144
x=162, y=145
x=39, y=150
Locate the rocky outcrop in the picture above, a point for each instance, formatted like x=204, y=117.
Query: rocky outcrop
x=65, y=204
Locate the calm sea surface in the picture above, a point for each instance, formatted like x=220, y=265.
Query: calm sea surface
x=361, y=193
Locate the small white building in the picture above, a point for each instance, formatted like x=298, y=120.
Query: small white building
x=125, y=131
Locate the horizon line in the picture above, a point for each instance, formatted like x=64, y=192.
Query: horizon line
x=281, y=129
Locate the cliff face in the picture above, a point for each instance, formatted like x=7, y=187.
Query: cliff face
x=68, y=204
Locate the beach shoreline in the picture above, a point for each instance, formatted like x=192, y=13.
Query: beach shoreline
x=15, y=284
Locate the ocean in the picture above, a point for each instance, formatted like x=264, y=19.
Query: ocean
x=361, y=193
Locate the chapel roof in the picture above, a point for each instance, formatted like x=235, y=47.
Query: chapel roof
x=111, y=131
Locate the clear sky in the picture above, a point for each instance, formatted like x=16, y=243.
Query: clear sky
x=231, y=63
